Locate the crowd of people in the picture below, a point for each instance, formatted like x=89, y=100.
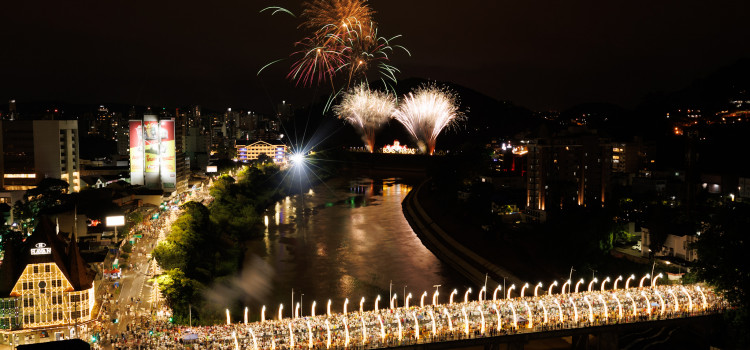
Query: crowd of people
x=445, y=322
x=407, y=325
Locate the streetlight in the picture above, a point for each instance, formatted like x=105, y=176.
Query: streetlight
x=466, y=296
x=578, y=284
x=537, y=287
x=653, y=281
x=567, y=283
x=421, y=300
x=494, y=294
x=592, y=283
x=450, y=299
x=512, y=287
x=618, y=279
x=406, y=303
x=604, y=282
x=627, y=283
x=640, y=285
x=549, y=291
x=524, y=289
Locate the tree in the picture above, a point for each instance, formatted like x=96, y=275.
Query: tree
x=264, y=158
x=48, y=193
x=722, y=261
x=180, y=292
x=9, y=237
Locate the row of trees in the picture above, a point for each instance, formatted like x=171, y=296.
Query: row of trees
x=204, y=245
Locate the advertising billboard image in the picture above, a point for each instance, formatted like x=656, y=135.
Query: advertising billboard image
x=136, y=152
x=167, y=159
x=151, y=140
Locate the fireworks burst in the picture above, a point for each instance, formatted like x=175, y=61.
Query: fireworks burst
x=425, y=112
x=343, y=41
x=367, y=110
x=335, y=16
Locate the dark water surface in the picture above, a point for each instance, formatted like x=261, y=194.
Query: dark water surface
x=347, y=238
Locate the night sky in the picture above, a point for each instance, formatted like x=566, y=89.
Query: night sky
x=538, y=54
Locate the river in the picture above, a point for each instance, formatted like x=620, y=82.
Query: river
x=346, y=238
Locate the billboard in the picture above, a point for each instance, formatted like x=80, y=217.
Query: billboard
x=136, y=152
x=115, y=220
x=153, y=161
x=167, y=159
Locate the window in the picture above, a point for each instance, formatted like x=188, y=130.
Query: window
x=36, y=269
x=47, y=268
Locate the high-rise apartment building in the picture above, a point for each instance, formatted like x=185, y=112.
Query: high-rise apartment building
x=153, y=154
x=12, y=110
x=36, y=149
x=571, y=168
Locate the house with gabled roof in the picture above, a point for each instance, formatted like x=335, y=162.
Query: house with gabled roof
x=45, y=287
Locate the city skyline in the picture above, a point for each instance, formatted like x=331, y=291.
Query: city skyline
x=148, y=54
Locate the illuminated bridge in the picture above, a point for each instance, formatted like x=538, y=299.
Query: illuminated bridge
x=487, y=320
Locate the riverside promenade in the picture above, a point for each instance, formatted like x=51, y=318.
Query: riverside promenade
x=463, y=259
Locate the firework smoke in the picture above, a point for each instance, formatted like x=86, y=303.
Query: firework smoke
x=366, y=110
x=425, y=112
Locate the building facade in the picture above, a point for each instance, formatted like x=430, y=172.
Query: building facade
x=36, y=149
x=153, y=155
x=46, y=289
x=275, y=151
x=571, y=168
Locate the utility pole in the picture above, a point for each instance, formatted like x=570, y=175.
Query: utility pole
x=405, y=295
x=292, y=308
x=652, y=269
x=485, y=281
x=390, y=290
x=570, y=278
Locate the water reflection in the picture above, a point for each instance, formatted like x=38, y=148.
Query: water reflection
x=347, y=238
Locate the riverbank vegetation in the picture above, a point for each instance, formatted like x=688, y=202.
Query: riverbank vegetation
x=204, y=245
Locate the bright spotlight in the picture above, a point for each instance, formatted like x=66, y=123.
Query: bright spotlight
x=297, y=158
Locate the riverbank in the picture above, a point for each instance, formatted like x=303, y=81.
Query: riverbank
x=467, y=248
x=457, y=255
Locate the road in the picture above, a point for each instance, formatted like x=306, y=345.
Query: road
x=139, y=300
